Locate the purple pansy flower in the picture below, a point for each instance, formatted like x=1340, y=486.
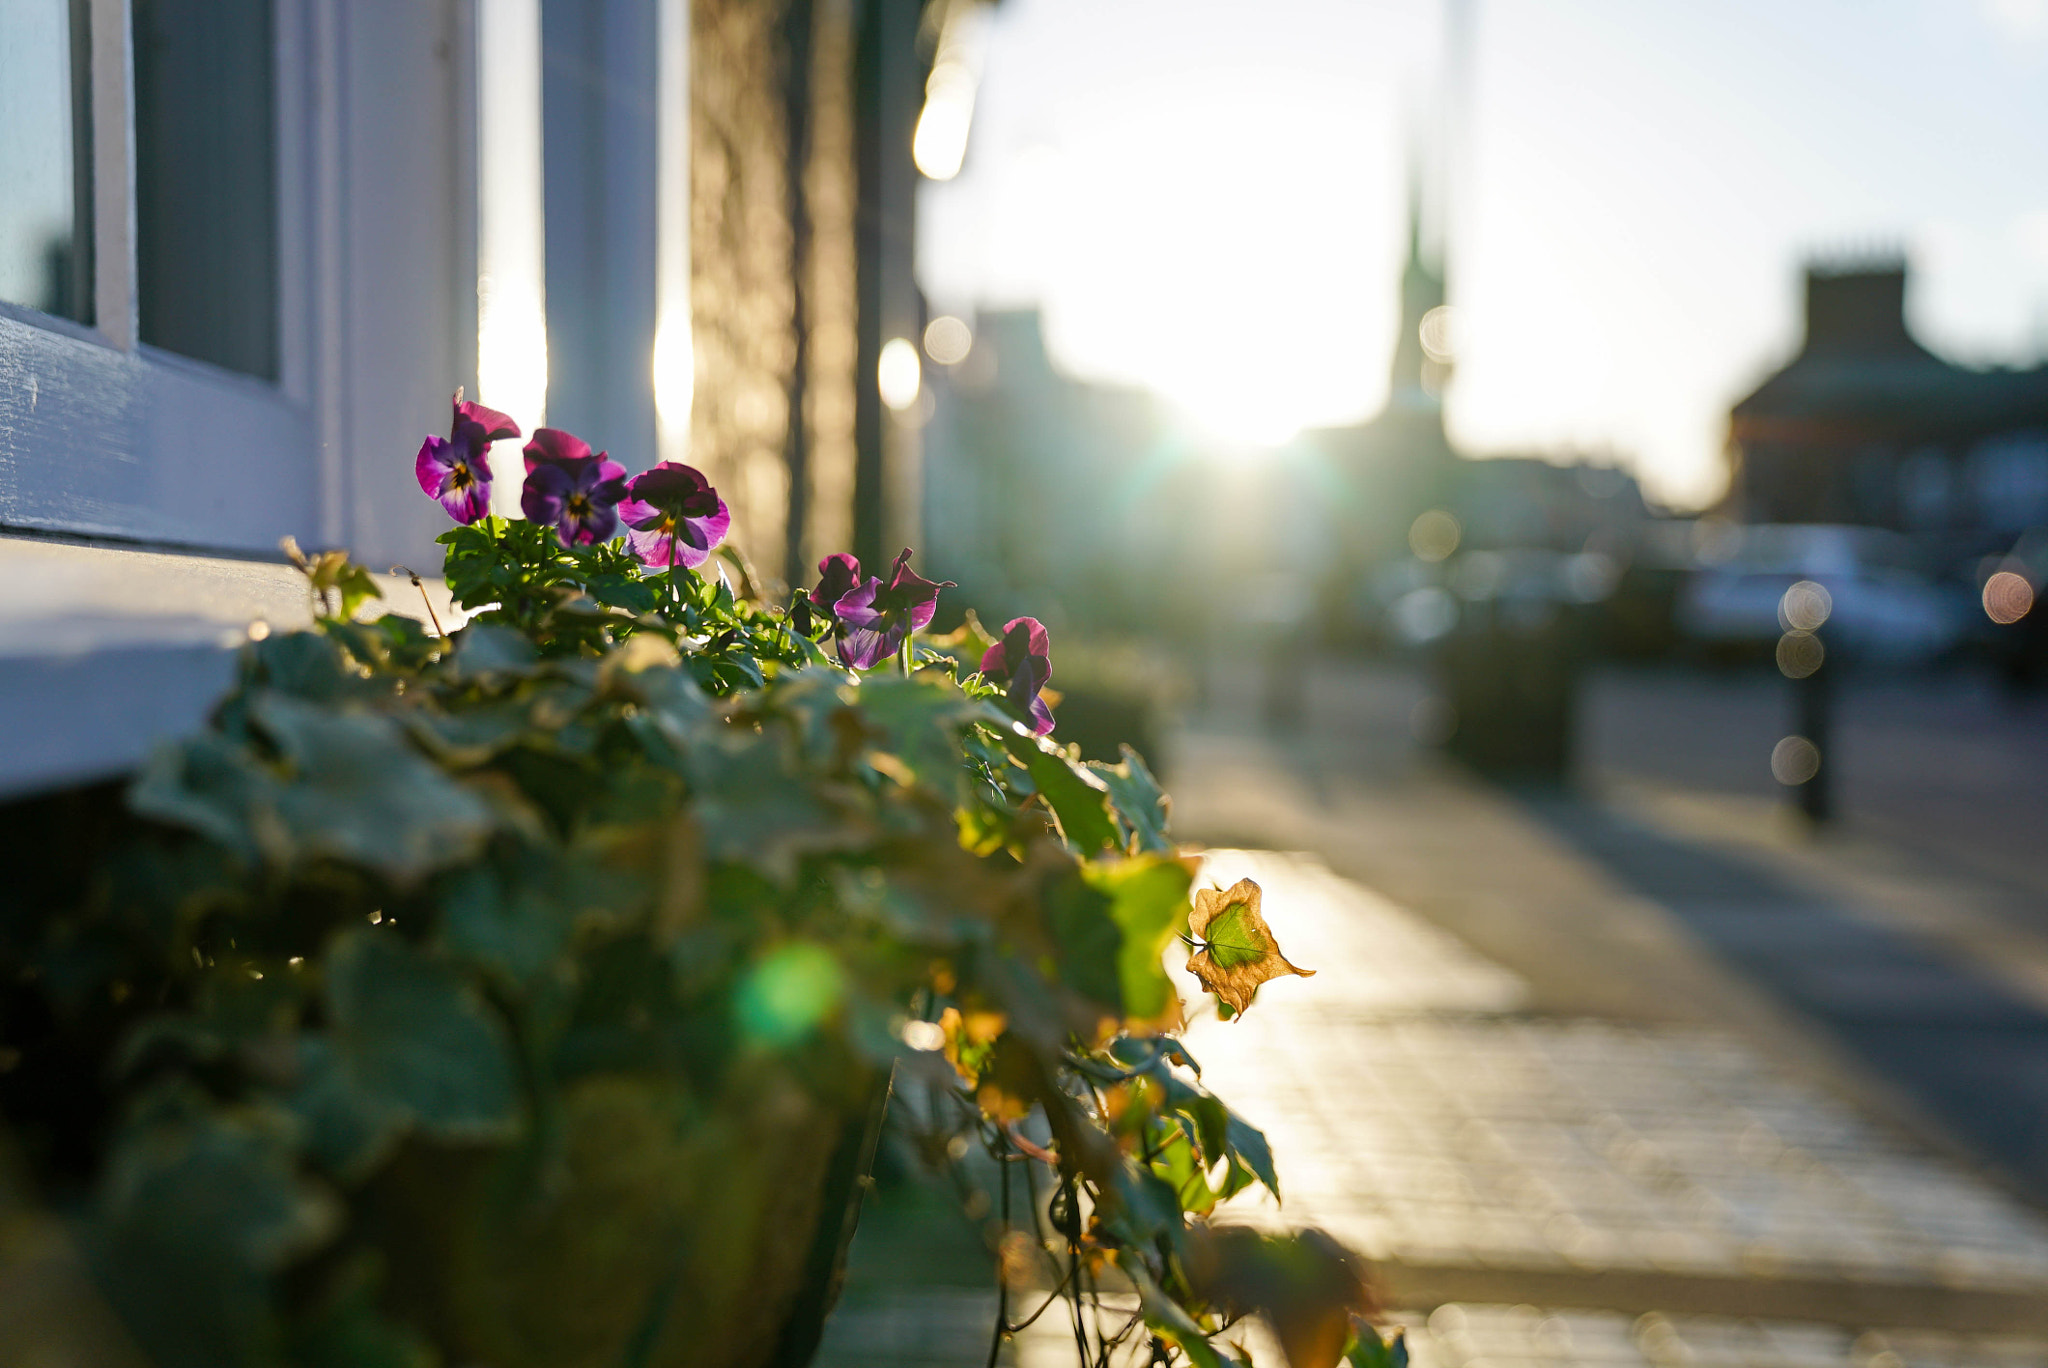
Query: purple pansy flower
x=1021, y=663
x=572, y=487
x=456, y=469
x=837, y=575
x=673, y=516
x=880, y=617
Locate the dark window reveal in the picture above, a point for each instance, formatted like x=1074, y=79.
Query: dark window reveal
x=206, y=181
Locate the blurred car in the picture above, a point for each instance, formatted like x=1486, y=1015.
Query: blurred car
x=1878, y=607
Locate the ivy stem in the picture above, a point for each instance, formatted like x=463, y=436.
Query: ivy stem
x=432, y=616
x=995, y=1343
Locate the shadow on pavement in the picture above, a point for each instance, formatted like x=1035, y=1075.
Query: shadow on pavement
x=1969, y=1052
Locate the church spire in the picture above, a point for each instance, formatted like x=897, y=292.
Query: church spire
x=1422, y=289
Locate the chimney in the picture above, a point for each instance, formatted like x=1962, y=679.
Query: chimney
x=1857, y=307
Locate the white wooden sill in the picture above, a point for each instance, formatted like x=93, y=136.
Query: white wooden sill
x=106, y=651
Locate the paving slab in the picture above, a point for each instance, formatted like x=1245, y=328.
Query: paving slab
x=1645, y=1164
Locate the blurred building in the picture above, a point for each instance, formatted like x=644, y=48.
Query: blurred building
x=251, y=248
x=1865, y=425
x=1047, y=495
x=1395, y=466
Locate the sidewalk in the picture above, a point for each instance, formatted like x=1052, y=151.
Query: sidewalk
x=1522, y=1080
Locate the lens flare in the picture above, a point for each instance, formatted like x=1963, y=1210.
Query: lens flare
x=788, y=993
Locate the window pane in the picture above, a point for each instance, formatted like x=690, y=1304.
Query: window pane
x=45, y=178
x=206, y=181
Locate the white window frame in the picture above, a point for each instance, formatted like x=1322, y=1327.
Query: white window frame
x=104, y=437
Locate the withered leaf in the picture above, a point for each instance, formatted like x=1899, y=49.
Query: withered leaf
x=1237, y=952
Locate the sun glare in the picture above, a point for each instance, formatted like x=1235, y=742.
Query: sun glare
x=1238, y=418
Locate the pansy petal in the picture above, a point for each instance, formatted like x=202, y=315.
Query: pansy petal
x=496, y=426
x=715, y=526
x=432, y=465
x=1029, y=676
x=856, y=607
x=863, y=648
x=468, y=504
x=541, y=497
x=599, y=523
x=661, y=549
x=650, y=544
x=638, y=512
x=671, y=485
x=837, y=573
x=1035, y=641
x=1041, y=717
x=552, y=446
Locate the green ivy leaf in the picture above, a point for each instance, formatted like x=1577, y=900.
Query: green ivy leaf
x=410, y=1043
x=207, y=784
x=308, y=665
x=917, y=721
x=753, y=805
x=1167, y=1319
x=197, y=1210
x=1079, y=800
x=513, y=916
x=1369, y=1350
x=358, y=792
x=627, y=592
x=1303, y=1284
x=1207, y=1118
x=352, y=583
x=332, y=573
x=1141, y=1207
x=1140, y=805
x=487, y=649
x=1114, y=925
x=1248, y=1144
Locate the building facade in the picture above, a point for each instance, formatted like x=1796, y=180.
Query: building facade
x=1865, y=425
x=250, y=247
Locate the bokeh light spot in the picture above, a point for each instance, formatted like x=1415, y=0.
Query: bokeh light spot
x=923, y=1035
x=1437, y=336
x=947, y=340
x=1434, y=535
x=1794, y=760
x=1422, y=615
x=791, y=990
x=939, y=146
x=2007, y=597
x=1799, y=654
x=898, y=375
x=1805, y=607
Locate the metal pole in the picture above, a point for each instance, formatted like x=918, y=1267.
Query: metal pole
x=1813, y=704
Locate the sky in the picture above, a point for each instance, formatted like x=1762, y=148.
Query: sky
x=1208, y=198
